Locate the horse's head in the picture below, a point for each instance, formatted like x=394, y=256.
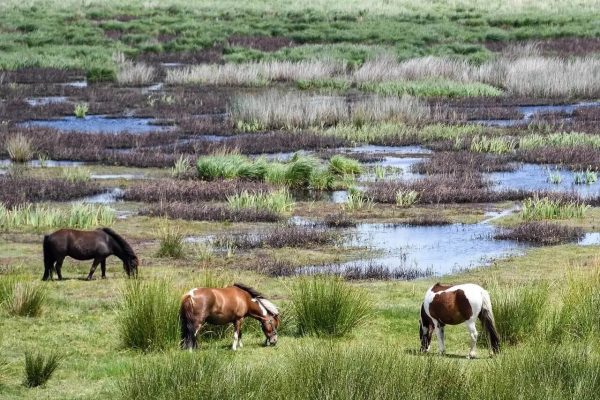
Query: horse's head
x=425, y=330
x=131, y=266
x=269, y=324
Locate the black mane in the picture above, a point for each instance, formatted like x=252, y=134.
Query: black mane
x=253, y=292
x=127, y=250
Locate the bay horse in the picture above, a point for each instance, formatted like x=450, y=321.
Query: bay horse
x=87, y=245
x=223, y=306
x=452, y=305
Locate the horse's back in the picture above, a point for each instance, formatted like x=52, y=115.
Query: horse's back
x=453, y=304
x=218, y=305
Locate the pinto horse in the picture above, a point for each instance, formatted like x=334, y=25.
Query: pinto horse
x=87, y=245
x=452, y=305
x=226, y=305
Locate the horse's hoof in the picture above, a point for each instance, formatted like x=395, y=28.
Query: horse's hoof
x=89, y=278
x=104, y=277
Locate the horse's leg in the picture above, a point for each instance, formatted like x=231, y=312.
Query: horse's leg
x=103, y=268
x=473, y=332
x=94, y=266
x=439, y=332
x=48, y=267
x=57, y=267
x=237, y=333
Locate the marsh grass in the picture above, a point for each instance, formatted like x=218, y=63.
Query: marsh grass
x=24, y=299
x=554, y=177
x=537, y=208
x=19, y=148
x=585, y=177
x=519, y=311
x=76, y=175
x=182, y=167
x=431, y=88
x=171, y=242
x=279, y=202
x=135, y=73
x=39, y=368
x=327, y=306
x=576, y=319
x=148, y=315
x=340, y=165
x=485, y=144
x=406, y=198
x=356, y=201
x=37, y=217
x=81, y=110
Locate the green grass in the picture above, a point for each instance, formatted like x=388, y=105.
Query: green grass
x=76, y=174
x=148, y=315
x=39, y=368
x=279, y=202
x=341, y=165
x=171, y=242
x=24, y=299
x=536, y=208
x=431, y=88
x=37, y=217
x=81, y=110
x=326, y=306
x=519, y=311
x=19, y=148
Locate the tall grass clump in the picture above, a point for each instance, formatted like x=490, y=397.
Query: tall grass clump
x=406, y=198
x=76, y=175
x=585, y=177
x=133, y=73
x=24, y=299
x=149, y=315
x=536, y=208
x=19, y=148
x=181, y=168
x=519, y=311
x=276, y=110
x=185, y=376
x=496, y=145
x=171, y=242
x=279, y=202
x=226, y=166
x=403, y=108
x=81, y=110
x=576, y=318
x=39, y=368
x=341, y=165
x=328, y=306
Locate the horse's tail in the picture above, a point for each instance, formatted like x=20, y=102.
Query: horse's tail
x=48, y=258
x=486, y=316
x=186, y=319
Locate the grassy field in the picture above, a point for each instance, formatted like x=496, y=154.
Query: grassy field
x=255, y=118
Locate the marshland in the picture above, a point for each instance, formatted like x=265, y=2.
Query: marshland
x=340, y=158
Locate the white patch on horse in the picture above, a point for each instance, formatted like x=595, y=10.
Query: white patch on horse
x=191, y=294
x=269, y=306
x=235, y=341
x=262, y=308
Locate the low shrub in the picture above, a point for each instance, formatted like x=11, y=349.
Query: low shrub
x=203, y=212
x=327, y=306
x=149, y=315
x=543, y=233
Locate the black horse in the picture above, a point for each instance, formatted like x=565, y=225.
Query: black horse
x=87, y=245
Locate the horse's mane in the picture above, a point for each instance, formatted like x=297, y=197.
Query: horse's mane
x=270, y=307
x=121, y=242
x=251, y=291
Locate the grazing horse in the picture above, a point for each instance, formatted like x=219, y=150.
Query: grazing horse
x=87, y=245
x=452, y=305
x=226, y=305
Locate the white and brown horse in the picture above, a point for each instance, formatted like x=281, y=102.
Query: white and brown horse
x=452, y=305
x=223, y=306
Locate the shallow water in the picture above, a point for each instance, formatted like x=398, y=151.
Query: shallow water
x=98, y=124
x=590, y=239
x=535, y=177
x=77, y=84
x=442, y=249
x=529, y=112
x=118, y=176
x=372, y=149
x=104, y=198
x=42, y=101
x=47, y=163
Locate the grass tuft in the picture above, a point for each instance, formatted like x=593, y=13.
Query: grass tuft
x=148, y=317
x=24, y=299
x=19, y=148
x=327, y=306
x=39, y=368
